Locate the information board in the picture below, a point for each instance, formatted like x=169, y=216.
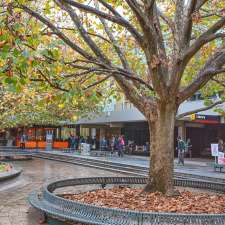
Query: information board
x=214, y=150
x=221, y=158
x=49, y=139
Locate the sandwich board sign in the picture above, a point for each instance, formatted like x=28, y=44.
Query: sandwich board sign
x=49, y=139
x=221, y=158
x=214, y=150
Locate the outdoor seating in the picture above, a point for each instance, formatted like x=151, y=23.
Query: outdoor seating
x=65, y=210
x=218, y=166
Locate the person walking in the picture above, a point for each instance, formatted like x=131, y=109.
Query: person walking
x=221, y=145
x=93, y=143
x=121, y=146
x=23, y=141
x=69, y=141
x=76, y=142
x=189, y=148
x=112, y=144
x=181, y=150
x=73, y=143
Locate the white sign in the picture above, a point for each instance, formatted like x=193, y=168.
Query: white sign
x=221, y=158
x=214, y=150
x=85, y=149
x=49, y=137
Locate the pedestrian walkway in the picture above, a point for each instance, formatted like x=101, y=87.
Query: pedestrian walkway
x=200, y=167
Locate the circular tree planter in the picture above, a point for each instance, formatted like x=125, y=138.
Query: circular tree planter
x=7, y=158
x=13, y=155
x=10, y=173
x=64, y=210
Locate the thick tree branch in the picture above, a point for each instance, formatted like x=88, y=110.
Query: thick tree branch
x=97, y=51
x=200, y=3
x=110, y=8
x=200, y=109
x=213, y=66
x=179, y=16
x=121, y=55
x=55, y=86
x=168, y=21
x=116, y=19
x=218, y=81
x=133, y=77
x=132, y=94
x=206, y=37
x=154, y=44
x=78, y=74
x=114, y=42
x=60, y=34
x=89, y=33
x=187, y=32
x=97, y=82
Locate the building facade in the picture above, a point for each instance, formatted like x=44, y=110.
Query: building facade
x=202, y=128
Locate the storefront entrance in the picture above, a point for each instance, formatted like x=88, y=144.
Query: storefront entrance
x=201, y=138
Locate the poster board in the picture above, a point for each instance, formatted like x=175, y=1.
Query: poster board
x=49, y=139
x=214, y=150
x=221, y=159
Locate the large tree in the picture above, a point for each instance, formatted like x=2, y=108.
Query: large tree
x=159, y=52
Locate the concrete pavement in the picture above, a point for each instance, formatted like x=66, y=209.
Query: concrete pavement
x=201, y=167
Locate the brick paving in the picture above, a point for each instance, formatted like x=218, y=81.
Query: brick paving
x=14, y=208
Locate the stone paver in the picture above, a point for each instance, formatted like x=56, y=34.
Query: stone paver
x=14, y=208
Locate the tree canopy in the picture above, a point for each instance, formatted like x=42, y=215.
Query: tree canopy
x=37, y=84
x=159, y=53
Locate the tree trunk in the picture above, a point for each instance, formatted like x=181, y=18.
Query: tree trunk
x=162, y=150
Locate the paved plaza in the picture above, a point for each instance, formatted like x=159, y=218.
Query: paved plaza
x=195, y=166
x=14, y=208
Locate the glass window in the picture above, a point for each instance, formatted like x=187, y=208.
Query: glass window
x=30, y=134
x=66, y=131
x=40, y=134
x=84, y=132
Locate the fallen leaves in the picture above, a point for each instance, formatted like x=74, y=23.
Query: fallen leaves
x=134, y=199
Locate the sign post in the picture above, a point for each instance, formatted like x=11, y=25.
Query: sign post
x=221, y=158
x=215, y=151
x=49, y=138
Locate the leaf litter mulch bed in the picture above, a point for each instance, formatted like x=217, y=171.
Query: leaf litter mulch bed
x=190, y=200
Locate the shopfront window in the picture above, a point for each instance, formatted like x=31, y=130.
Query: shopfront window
x=31, y=134
x=66, y=131
x=40, y=134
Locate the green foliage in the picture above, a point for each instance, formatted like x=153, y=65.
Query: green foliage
x=35, y=87
x=32, y=57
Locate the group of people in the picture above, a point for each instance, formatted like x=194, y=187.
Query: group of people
x=75, y=141
x=185, y=148
x=116, y=143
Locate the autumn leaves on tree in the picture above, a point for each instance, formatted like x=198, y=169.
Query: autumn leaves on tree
x=159, y=53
